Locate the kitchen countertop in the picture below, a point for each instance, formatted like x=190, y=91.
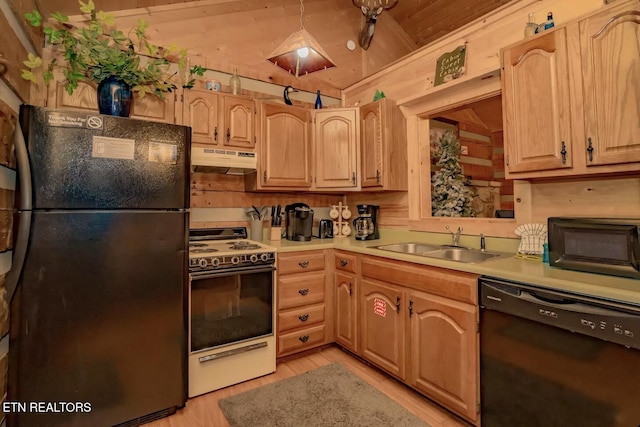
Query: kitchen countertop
x=507, y=267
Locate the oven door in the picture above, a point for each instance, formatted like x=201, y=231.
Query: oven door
x=231, y=306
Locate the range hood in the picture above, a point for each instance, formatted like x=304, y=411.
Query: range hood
x=219, y=160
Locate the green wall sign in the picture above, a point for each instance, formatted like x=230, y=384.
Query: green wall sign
x=450, y=65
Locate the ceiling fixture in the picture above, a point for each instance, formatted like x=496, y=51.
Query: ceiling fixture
x=300, y=54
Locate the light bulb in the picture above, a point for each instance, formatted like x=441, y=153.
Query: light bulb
x=303, y=52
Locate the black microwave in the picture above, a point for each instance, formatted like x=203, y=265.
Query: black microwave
x=595, y=245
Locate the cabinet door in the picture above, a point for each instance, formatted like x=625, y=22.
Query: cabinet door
x=610, y=47
x=538, y=131
x=200, y=111
x=336, y=148
x=154, y=109
x=284, y=152
x=382, y=323
x=371, y=144
x=239, y=122
x=346, y=314
x=444, y=351
x=84, y=98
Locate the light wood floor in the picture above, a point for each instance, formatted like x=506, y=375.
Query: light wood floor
x=203, y=411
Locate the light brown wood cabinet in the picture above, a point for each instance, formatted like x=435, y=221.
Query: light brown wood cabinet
x=346, y=300
x=335, y=141
x=571, y=99
x=383, y=146
x=284, y=151
x=219, y=119
x=536, y=104
x=85, y=98
x=302, y=302
x=610, y=73
x=420, y=324
x=443, y=346
x=382, y=325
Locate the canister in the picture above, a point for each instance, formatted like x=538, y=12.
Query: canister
x=213, y=85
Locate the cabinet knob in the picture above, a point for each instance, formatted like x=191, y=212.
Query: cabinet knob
x=353, y=178
x=228, y=134
x=215, y=134
x=303, y=317
x=344, y=262
x=304, y=338
x=378, y=176
x=590, y=149
x=303, y=291
x=304, y=264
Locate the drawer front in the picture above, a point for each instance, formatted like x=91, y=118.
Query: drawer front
x=301, y=316
x=299, y=262
x=345, y=262
x=300, y=289
x=301, y=340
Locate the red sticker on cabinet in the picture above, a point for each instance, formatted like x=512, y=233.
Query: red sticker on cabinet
x=379, y=307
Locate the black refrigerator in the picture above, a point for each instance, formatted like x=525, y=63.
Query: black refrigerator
x=98, y=285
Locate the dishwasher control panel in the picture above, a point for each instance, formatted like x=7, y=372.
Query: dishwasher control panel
x=609, y=321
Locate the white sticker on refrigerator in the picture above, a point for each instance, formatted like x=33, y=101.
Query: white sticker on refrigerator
x=163, y=153
x=105, y=147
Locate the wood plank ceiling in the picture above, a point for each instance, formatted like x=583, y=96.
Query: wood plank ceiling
x=221, y=34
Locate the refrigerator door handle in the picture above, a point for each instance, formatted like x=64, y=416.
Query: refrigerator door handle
x=24, y=169
x=24, y=216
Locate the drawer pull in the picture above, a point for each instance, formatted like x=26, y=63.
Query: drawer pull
x=304, y=264
x=344, y=262
x=350, y=289
x=303, y=317
x=397, y=304
x=304, y=338
x=303, y=291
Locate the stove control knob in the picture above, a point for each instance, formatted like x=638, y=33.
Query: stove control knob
x=202, y=262
x=264, y=257
x=235, y=260
x=215, y=262
x=253, y=258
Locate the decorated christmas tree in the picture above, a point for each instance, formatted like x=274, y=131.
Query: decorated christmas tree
x=450, y=196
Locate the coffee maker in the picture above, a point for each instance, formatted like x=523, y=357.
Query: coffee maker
x=299, y=222
x=366, y=224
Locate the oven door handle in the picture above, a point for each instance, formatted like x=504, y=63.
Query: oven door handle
x=231, y=272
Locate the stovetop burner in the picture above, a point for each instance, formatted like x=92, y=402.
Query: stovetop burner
x=202, y=250
x=196, y=245
x=240, y=246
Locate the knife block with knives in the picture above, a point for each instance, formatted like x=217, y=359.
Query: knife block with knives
x=276, y=222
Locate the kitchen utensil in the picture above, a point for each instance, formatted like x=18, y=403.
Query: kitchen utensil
x=273, y=215
x=346, y=213
x=333, y=213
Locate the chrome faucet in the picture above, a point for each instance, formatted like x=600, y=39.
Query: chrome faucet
x=455, y=237
x=483, y=246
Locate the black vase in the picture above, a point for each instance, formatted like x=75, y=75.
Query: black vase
x=114, y=97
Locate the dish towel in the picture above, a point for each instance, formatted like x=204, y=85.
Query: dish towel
x=532, y=237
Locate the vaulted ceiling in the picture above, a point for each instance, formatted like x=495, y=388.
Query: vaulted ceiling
x=222, y=34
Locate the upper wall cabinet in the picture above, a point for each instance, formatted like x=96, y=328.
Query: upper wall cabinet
x=383, y=146
x=200, y=111
x=284, y=152
x=85, y=98
x=610, y=46
x=571, y=98
x=536, y=104
x=220, y=119
x=335, y=148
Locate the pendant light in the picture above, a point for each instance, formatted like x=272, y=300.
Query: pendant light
x=300, y=54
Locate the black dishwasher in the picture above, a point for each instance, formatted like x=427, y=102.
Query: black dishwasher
x=554, y=359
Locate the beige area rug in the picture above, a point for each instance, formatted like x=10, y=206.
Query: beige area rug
x=327, y=396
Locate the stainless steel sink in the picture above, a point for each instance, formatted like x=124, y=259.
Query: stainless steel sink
x=451, y=253
x=409, y=248
x=469, y=256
